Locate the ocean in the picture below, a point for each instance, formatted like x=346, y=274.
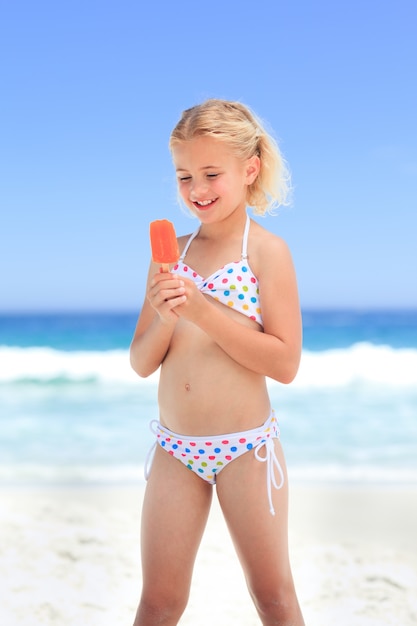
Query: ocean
x=73, y=412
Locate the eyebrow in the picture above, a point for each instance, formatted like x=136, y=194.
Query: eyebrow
x=206, y=167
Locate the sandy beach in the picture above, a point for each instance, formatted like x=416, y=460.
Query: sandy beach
x=70, y=556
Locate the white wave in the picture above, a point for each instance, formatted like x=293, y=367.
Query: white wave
x=81, y=474
x=30, y=473
x=45, y=365
x=361, y=363
x=353, y=474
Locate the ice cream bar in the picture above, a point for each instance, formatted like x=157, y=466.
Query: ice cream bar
x=164, y=243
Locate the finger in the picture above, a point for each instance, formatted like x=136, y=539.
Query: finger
x=171, y=296
x=170, y=280
x=173, y=302
x=172, y=288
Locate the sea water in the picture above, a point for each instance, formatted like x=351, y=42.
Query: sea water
x=73, y=412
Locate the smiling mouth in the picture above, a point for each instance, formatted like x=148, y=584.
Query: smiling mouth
x=204, y=204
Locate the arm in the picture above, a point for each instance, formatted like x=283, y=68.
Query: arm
x=156, y=322
x=275, y=352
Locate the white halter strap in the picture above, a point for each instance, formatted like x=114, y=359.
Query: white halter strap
x=244, y=241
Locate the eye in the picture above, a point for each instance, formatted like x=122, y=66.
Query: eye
x=183, y=179
x=212, y=175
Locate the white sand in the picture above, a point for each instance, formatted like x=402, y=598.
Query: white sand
x=70, y=557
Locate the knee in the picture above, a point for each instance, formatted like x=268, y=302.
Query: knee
x=164, y=608
x=278, y=606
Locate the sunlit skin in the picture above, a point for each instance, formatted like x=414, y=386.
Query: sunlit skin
x=213, y=364
x=212, y=182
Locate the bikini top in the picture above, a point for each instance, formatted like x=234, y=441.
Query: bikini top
x=234, y=284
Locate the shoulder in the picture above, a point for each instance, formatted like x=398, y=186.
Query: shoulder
x=274, y=269
x=266, y=250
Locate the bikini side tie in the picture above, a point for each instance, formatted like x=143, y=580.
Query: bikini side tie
x=272, y=463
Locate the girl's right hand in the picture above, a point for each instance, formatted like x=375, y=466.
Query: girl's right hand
x=166, y=291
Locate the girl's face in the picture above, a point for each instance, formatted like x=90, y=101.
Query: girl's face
x=212, y=181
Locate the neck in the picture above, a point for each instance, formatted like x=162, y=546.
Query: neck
x=233, y=225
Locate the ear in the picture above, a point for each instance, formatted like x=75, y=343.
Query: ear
x=253, y=165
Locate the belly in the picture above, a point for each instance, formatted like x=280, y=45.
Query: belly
x=203, y=391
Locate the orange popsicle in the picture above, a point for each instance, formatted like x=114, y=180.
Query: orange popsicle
x=164, y=243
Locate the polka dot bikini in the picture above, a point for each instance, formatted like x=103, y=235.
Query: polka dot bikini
x=207, y=456
x=234, y=284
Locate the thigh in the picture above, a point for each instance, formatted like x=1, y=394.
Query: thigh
x=261, y=539
x=174, y=514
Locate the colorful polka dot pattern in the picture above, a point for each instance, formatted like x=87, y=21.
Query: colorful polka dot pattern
x=233, y=285
x=207, y=456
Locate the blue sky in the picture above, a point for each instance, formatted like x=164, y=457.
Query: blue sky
x=90, y=91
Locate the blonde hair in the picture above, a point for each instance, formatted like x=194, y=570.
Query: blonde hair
x=236, y=125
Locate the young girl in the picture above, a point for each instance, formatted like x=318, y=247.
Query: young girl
x=226, y=317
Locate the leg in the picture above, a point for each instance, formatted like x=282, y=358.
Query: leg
x=261, y=540
x=175, y=512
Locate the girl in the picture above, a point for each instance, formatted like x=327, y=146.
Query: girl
x=217, y=333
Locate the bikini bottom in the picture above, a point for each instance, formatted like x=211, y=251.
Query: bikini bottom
x=208, y=455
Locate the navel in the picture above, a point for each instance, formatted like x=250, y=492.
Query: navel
x=187, y=387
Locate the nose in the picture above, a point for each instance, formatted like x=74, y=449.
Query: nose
x=198, y=188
